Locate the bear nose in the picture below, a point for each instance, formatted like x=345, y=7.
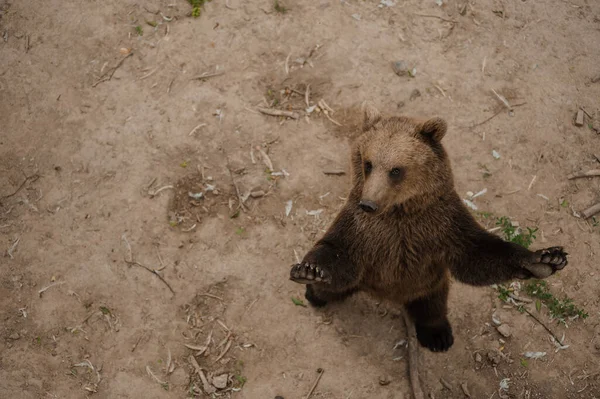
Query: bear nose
x=367, y=206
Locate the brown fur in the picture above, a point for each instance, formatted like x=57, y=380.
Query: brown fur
x=420, y=231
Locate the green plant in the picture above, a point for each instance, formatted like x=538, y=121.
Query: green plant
x=139, y=30
x=196, y=6
x=560, y=309
x=278, y=7
x=515, y=234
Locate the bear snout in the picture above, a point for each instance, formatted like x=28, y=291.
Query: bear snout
x=368, y=206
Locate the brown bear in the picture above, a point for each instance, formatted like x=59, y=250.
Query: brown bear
x=404, y=229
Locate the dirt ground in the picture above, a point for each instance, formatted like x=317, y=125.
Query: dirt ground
x=116, y=161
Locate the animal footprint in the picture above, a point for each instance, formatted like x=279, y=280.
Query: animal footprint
x=306, y=273
x=547, y=261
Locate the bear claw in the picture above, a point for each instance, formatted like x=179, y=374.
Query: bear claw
x=547, y=262
x=306, y=273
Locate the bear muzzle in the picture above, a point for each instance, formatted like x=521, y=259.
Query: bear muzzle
x=368, y=206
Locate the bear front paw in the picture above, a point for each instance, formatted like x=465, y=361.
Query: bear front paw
x=307, y=273
x=435, y=338
x=547, y=261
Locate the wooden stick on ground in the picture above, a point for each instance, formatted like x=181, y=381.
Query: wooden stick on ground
x=591, y=211
x=312, y=389
x=589, y=173
x=413, y=358
x=277, y=112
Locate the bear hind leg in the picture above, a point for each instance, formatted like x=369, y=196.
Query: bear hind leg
x=429, y=314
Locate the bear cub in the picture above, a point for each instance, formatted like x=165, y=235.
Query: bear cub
x=404, y=230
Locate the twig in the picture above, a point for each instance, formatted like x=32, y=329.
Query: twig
x=196, y=128
x=155, y=193
x=277, y=112
x=237, y=191
x=134, y=263
x=334, y=172
x=40, y=292
x=224, y=351
x=312, y=389
x=436, y=16
x=589, y=173
x=493, y=116
x=207, y=75
x=332, y=120
x=265, y=158
x=488, y=119
x=532, y=181
x=109, y=76
x=543, y=325
x=13, y=247
x=591, y=211
x=413, y=358
x=287, y=60
x=211, y=296
x=149, y=74
x=27, y=178
x=307, y=95
x=503, y=100
x=208, y=389
x=151, y=374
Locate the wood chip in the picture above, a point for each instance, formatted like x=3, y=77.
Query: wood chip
x=579, y=118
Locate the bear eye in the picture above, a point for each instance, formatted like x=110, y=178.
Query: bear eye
x=396, y=173
x=368, y=167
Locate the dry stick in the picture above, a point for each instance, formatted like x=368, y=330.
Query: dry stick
x=307, y=95
x=237, y=191
x=134, y=263
x=502, y=100
x=413, y=358
x=591, y=211
x=207, y=75
x=436, y=16
x=589, y=173
x=227, y=347
x=109, y=76
x=40, y=292
x=493, y=116
x=27, y=178
x=277, y=112
x=334, y=172
x=312, y=389
x=543, y=325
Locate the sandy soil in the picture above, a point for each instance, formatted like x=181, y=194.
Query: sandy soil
x=82, y=159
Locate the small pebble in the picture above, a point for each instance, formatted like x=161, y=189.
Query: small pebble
x=14, y=336
x=415, y=94
x=504, y=330
x=257, y=194
x=220, y=381
x=384, y=380
x=400, y=68
x=478, y=358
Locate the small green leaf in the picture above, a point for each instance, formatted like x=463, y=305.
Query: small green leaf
x=523, y=362
x=139, y=30
x=239, y=231
x=298, y=302
x=184, y=164
x=152, y=23
x=104, y=310
x=538, y=305
x=564, y=203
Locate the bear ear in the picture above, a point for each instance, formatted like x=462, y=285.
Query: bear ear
x=435, y=129
x=370, y=116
